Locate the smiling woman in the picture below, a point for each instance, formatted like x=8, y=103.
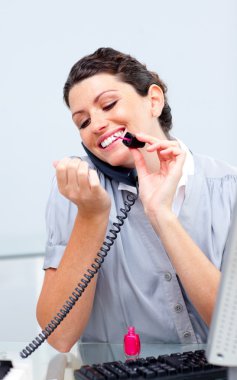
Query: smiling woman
x=173, y=238
x=109, y=106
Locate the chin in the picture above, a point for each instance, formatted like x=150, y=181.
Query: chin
x=124, y=163
x=125, y=160
x=117, y=158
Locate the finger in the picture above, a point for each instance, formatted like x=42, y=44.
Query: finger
x=170, y=153
x=55, y=163
x=139, y=163
x=173, y=168
x=181, y=158
x=72, y=172
x=83, y=176
x=177, y=161
x=61, y=172
x=94, y=181
x=152, y=140
x=161, y=144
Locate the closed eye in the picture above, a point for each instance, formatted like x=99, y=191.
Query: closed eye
x=110, y=106
x=106, y=108
x=85, y=124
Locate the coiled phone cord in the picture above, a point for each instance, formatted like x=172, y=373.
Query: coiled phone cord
x=87, y=277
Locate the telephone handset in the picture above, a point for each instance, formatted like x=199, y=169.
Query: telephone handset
x=120, y=174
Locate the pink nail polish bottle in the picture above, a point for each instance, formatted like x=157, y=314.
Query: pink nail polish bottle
x=132, y=346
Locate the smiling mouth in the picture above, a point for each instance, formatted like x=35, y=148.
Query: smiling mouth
x=109, y=140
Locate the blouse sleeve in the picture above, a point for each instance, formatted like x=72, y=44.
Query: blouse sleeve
x=224, y=195
x=60, y=217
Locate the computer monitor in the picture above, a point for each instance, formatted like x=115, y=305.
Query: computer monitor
x=222, y=341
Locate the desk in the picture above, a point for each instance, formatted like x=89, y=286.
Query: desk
x=45, y=360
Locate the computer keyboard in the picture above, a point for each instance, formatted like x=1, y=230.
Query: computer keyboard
x=11, y=371
x=5, y=367
x=191, y=365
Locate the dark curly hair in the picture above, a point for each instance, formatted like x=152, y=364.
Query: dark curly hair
x=124, y=67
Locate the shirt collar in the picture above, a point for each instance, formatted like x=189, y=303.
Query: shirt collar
x=188, y=167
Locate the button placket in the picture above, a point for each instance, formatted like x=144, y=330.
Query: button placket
x=178, y=308
x=168, y=276
x=187, y=334
x=180, y=313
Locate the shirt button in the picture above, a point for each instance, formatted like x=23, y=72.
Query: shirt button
x=178, y=308
x=186, y=334
x=168, y=276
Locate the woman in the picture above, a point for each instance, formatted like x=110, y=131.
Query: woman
x=163, y=271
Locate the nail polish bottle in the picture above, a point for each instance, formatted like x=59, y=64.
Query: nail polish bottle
x=132, y=346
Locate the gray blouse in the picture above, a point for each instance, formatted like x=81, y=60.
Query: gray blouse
x=137, y=284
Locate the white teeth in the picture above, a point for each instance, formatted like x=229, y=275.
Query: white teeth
x=110, y=139
x=119, y=133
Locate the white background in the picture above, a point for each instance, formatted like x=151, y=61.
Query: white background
x=191, y=44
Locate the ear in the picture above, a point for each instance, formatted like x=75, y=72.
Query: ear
x=157, y=101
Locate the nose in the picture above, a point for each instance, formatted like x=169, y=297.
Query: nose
x=98, y=122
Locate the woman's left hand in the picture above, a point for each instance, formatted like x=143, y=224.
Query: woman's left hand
x=157, y=189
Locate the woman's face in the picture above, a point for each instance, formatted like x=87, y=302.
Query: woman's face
x=104, y=108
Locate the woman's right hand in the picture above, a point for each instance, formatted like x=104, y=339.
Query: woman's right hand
x=81, y=185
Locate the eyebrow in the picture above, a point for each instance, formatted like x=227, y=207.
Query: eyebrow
x=95, y=101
